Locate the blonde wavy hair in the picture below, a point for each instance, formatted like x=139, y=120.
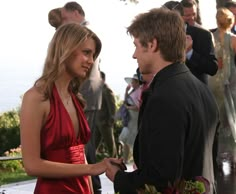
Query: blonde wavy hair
x=224, y=18
x=66, y=40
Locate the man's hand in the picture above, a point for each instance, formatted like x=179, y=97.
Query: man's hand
x=113, y=166
x=189, y=43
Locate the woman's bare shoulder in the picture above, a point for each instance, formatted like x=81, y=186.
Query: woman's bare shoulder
x=34, y=99
x=33, y=94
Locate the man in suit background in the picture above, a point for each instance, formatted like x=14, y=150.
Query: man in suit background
x=105, y=119
x=191, y=13
x=200, y=54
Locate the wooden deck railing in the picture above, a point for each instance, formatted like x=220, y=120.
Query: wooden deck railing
x=7, y=158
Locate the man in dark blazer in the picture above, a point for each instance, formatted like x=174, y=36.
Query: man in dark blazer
x=200, y=57
x=191, y=12
x=200, y=53
x=105, y=119
x=178, y=116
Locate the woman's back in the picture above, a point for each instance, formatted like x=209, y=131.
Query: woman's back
x=225, y=53
x=223, y=84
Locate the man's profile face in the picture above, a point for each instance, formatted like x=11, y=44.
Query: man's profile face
x=190, y=14
x=143, y=55
x=71, y=16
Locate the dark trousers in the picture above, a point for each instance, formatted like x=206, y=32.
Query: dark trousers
x=90, y=149
x=104, y=133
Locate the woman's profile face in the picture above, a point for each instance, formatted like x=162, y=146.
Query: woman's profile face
x=82, y=60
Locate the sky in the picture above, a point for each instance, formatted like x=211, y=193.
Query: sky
x=26, y=33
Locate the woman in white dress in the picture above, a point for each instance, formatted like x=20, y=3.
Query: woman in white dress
x=131, y=102
x=223, y=84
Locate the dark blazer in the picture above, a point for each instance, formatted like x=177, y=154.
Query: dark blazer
x=203, y=61
x=177, y=123
x=108, y=109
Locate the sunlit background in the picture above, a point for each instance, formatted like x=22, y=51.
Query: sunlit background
x=25, y=34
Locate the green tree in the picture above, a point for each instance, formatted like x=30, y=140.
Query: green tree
x=9, y=130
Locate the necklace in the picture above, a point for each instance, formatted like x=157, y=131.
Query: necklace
x=64, y=96
x=68, y=100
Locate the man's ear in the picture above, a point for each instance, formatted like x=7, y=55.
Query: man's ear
x=76, y=12
x=153, y=45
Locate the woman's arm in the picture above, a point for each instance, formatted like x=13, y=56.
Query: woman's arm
x=89, y=178
x=33, y=116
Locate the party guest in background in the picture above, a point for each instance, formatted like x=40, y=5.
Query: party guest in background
x=200, y=54
x=132, y=104
x=231, y=5
x=54, y=17
x=191, y=13
x=223, y=84
x=105, y=120
x=53, y=126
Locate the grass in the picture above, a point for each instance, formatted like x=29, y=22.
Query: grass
x=13, y=177
x=13, y=172
x=8, y=176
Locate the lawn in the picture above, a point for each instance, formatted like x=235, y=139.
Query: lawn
x=12, y=171
x=7, y=177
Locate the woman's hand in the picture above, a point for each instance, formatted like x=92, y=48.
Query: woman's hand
x=98, y=168
x=107, y=164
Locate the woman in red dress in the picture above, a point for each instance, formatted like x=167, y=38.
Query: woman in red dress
x=53, y=126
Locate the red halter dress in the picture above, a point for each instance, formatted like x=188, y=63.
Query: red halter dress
x=59, y=144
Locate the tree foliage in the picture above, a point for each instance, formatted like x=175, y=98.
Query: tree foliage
x=9, y=131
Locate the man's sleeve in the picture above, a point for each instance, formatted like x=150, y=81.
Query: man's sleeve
x=203, y=59
x=161, y=147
